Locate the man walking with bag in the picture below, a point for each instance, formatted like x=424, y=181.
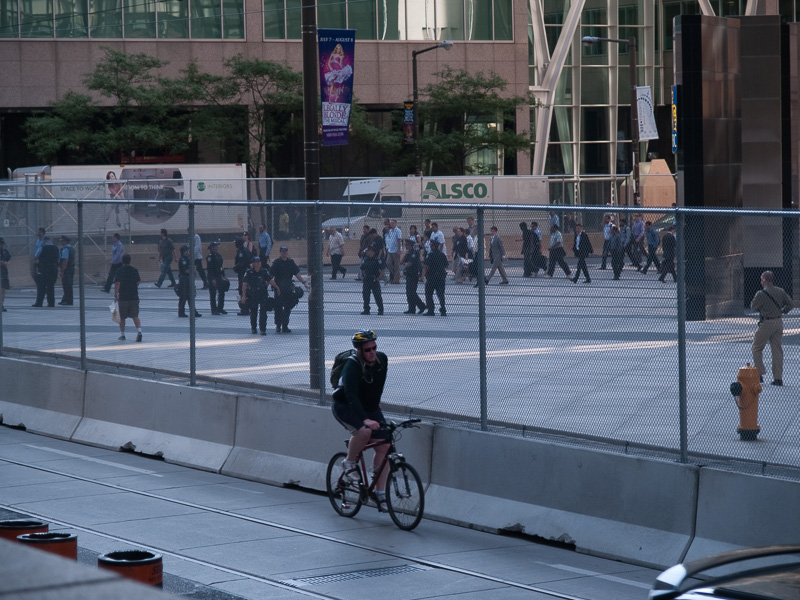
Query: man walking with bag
x=771, y=303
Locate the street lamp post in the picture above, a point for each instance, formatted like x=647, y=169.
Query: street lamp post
x=447, y=44
x=588, y=40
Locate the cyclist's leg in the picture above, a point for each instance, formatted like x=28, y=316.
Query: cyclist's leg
x=359, y=435
x=380, y=451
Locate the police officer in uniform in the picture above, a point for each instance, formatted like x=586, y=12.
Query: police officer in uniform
x=217, y=283
x=67, y=268
x=255, y=293
x=184, y=283
x=240, y=265
x=284, y=269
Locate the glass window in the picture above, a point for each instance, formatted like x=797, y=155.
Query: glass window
x=9, y=18
x=594, y=85
x=274, y=24
x=106, y=18
x=294, y=16
x=140, y=19
x=72, y=19
x=362, y=18
x=37, y=18
x=478, y=19
x=391, y=19
x=503, y=26
x=421, y=20
x=594, y=124
x=332, y=14
x=561, y=125
x=233, y=19
x=450, y=19
x=594, y=160
x=173, y=19
x=206, y=19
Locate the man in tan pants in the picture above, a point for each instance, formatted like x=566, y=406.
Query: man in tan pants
x=772, y=303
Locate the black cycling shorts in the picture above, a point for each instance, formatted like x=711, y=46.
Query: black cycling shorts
x=351, y=421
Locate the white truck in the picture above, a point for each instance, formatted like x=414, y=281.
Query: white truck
x=373, y=200
x=117, y=183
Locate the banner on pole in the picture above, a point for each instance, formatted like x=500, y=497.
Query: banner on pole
x=336, y=61
x=409, y=115
x=647, y=120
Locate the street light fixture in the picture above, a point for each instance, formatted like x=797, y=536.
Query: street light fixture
x=447, y=45
x=589, y=40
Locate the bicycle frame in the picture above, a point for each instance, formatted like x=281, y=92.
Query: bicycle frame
x=363, y=464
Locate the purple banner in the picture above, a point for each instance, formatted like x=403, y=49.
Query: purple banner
x=336, y=61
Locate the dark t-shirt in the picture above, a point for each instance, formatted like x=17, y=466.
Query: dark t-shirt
x=128, y=278
x=436, y=263
x=283, y=271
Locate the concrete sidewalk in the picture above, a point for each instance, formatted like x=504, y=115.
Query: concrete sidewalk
x=224, y=538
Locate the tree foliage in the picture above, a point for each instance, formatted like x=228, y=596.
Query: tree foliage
x=271, y=94
x=462, y=115
x=142, y=114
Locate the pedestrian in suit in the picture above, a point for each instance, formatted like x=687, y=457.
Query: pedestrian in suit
x=606, y=236
x=557, y=252
x=668, y=258
x=771, y=303
x=527, y=249
x=653, y=241
x=617, y=249
x=434, y=274
x=582, y=247
x=497, y=254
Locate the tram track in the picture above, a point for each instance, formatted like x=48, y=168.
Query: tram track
x=296, y=586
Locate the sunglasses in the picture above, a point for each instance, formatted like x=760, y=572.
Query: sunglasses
x=369, y=349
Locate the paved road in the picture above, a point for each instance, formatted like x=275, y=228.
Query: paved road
x=597, y=359
x=223, y=538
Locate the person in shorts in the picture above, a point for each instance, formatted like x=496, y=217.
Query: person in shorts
x=356, y=405
x=126, y=293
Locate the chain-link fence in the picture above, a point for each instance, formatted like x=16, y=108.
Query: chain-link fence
x=610, y=355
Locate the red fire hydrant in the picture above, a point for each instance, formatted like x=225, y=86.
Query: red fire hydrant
x=745, y=390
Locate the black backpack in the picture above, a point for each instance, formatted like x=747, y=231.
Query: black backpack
x=338, y=365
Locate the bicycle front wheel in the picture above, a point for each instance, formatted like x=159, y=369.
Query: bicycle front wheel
x=345, y=495
x=405, y=498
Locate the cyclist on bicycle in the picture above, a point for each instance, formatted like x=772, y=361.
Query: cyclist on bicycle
x=356, y=405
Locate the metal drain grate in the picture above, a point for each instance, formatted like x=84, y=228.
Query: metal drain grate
x=337, y=577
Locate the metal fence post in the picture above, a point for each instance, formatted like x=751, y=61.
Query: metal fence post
x=81, y=288
x=681, y=299
x=482, y=323
x=192, y=292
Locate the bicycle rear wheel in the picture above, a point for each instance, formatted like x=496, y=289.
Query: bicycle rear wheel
x=345, y=495
x=405, y=498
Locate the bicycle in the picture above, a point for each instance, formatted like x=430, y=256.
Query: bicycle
x=405, y=496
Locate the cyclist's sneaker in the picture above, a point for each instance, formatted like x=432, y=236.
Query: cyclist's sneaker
x=380, y=501
x=350, y=470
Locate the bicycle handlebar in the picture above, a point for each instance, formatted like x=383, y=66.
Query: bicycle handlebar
x=391, y=426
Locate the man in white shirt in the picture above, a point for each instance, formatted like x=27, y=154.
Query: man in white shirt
x=393, y=238
x=336, y=251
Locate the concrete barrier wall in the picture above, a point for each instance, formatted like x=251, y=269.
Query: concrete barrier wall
x=184, y=425
x=604, y=503
x=43, y=399
x=644, y=511
x=737, y=510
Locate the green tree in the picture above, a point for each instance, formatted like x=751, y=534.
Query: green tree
x=139, y=114
x=269, y=92
x=467, y=117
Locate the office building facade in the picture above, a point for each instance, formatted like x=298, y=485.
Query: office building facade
x=582, y=125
